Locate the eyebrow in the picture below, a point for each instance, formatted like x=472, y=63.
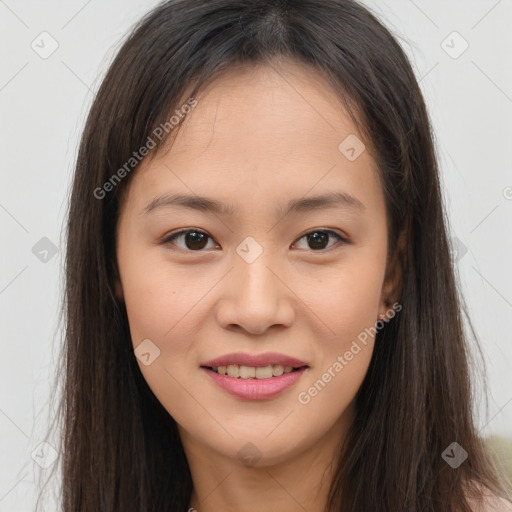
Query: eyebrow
x=209, y=205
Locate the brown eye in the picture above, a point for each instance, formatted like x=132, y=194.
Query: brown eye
x=194, y=239
x=318, y=240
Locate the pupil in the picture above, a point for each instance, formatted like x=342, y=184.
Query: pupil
x=316, y=238
x=193, y=237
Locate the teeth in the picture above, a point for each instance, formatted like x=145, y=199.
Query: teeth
x=278, y=369
x=252, y=372
x=233, y=370
x=249, y=372
x=264, y=372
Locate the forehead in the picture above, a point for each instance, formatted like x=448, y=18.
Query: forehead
x=261, y=132
x=266, y=104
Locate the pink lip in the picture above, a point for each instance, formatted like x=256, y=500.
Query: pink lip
x=244, y=359
x=255, y=389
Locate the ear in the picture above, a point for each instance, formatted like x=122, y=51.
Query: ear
x=392, y=286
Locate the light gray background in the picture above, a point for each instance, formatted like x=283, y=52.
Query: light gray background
x=43, y=103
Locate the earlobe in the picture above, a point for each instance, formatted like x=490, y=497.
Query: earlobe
x=392, y=288
x=118, y=290
x=385, y=305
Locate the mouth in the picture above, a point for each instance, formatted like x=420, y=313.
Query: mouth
x=237, y=371
x=254, y=366
x=255, y=382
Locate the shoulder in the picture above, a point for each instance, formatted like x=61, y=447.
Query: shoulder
x=491, y=504
x=481, y=499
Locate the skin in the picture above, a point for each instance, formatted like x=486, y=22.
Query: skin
x=259, y=137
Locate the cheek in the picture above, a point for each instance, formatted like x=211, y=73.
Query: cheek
x=162, y=306
x=159, y=299
x=347, y=299
x=349, y=307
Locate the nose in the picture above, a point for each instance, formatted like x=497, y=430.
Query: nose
x=255, y=297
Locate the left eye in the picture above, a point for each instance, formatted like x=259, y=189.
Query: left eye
x=317, y=238
x=196, y=239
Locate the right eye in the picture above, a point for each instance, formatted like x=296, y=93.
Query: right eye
x=194, y=239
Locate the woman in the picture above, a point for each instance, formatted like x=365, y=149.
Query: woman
x=261, y=307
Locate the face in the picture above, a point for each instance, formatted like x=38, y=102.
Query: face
x=270, y=273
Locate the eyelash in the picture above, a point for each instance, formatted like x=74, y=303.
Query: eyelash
x=168, y=239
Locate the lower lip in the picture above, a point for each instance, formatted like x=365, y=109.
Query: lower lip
x=256, y=389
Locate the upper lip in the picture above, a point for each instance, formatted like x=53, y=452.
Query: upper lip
x=242, y=358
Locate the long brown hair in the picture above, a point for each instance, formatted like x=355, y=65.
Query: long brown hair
x=120, y=448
